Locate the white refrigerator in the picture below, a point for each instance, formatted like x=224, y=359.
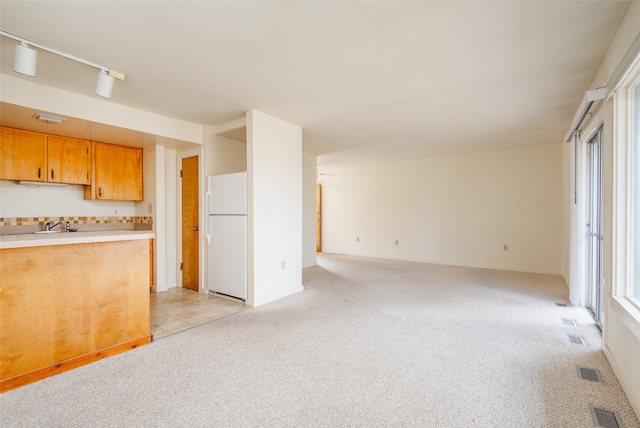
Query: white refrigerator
x=226, y=233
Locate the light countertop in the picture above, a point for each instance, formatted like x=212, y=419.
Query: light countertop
x=66, y=238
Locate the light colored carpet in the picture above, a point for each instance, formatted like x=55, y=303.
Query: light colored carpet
x=369, y=343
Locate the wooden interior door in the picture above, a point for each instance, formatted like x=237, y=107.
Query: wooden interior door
x=318, y=218
x=190, y=227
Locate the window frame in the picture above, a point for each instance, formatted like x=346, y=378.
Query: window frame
x=633, y=184
x=622, y=222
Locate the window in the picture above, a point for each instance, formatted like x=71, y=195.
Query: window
x=634, y=185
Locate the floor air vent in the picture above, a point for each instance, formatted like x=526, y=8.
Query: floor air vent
x=592, y=375
x=562, y=305
x=575, y=339
x=605, y=418
x=566, y=321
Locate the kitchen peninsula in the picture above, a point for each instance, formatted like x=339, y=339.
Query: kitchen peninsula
x=68, y=299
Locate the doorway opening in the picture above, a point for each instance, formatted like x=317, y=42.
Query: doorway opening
x=595, y=228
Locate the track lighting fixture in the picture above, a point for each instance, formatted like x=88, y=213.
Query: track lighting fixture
x=105, y=84
x=25, y=62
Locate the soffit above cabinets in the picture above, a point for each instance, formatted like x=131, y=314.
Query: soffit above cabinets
x=20, y=117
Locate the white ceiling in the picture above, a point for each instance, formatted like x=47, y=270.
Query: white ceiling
x=366, y=81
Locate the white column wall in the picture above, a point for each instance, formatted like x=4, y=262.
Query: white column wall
x=274, y=181
x=309, y=175
x=171, y=218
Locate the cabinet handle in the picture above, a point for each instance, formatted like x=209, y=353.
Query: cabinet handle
x=38, y=172
x=52, y=174
x=99, y=192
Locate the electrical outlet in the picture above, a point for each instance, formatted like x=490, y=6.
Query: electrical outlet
x=358, y=239
x=150, y=209
x=396, y=242
x=282, y=264
x=505, y=247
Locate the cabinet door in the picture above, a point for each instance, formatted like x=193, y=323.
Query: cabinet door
x=118, y=172
x=69, y=161
x=22, y=155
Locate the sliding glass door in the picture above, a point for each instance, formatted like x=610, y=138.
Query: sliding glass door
x=595, y=251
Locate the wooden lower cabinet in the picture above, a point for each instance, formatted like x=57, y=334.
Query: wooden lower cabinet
x=67, y=305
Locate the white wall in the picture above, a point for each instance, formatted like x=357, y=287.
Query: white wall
x=171, y=218
x=567, y=198
x=20, y=201
x=459, y=209
x=621, y=332
x=223, y=155
x=274, y=181
x=621, y=329
x=308, y=209
x=155, y=204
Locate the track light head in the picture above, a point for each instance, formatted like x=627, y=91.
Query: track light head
x=104, y=88
x=25, y=60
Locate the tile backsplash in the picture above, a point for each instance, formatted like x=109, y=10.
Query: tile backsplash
x=16, y=225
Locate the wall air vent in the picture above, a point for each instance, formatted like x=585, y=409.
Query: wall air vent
x=566, y=321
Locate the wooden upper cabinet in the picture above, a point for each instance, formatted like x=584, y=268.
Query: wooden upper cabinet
x=118, y=173
x=69, y=160
x=23, y=155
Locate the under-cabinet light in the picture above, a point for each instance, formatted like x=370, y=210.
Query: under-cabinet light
x=34, y=184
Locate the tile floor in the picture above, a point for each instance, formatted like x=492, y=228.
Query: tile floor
x=180, y=308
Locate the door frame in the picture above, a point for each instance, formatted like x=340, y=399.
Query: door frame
x=199, y=152
x=579, y=242
x=594, y=284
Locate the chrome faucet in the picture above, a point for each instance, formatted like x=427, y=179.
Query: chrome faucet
x=48, y=226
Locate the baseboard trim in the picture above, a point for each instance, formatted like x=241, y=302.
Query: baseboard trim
x=277, y=296
x=72, y=363
x=164, y=287
x=453, y=263
x=627, y=387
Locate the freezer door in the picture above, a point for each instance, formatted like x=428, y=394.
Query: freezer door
x=227, y=255
x=227, y=194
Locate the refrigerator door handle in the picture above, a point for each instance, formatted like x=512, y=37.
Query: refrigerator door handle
x=206, y=202
x=206, y=232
